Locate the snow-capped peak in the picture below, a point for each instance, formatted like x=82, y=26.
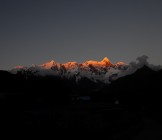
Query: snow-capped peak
x=49, y=64
x=20, y=67
x=107, y=61
x=70, y=65
x=120, y=64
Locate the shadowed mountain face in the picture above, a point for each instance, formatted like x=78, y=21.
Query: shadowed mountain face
x=119, y=109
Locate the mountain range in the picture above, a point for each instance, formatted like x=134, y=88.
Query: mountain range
x=103, y=71
x=49, y=95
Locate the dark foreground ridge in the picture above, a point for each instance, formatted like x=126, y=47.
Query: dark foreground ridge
x=128, y=108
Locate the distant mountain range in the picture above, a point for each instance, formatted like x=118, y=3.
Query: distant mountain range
x=96, y=71
x=88, y=76
x=102, y=71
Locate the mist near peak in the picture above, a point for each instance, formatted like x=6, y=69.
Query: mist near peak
x=139, y=63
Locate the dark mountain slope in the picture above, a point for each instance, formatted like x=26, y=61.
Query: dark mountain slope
x=118, y=109
x=139, y=90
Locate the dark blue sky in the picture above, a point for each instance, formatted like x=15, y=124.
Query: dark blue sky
x=35, y=31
